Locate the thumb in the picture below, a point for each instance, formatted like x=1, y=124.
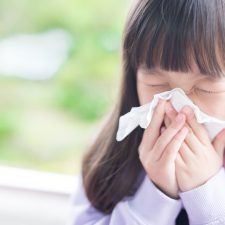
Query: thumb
x=219, y=143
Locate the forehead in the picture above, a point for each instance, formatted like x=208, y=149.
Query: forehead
x=194, y=73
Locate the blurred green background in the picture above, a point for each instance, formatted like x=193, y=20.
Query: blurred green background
x=46, y=125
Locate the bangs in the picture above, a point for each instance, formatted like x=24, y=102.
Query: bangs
x=172, y=34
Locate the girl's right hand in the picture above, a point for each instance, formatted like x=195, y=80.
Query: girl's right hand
x=158, y=150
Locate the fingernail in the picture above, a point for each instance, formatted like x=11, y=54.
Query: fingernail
x=179, y=117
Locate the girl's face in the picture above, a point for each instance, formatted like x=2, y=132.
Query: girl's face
x=207, y=93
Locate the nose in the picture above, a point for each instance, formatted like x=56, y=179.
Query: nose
x=187, y=91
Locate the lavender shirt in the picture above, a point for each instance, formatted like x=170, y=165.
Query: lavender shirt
x=149, y=206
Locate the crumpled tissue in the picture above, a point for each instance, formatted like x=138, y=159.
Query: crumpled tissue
x=142, y=115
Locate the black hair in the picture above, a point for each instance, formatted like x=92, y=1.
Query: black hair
x=171, y=34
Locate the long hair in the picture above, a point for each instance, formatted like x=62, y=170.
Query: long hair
x=170, y=34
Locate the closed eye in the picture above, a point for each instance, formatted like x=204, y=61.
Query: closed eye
x=198, y=89
x=209, y=92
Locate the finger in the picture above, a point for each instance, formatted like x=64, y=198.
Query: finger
x=167, y=121
x=198, y=129
x=186, y=154
x=170, y=115
x=173, y=147
x=166, y=137
x=191, y=140
x=170, y=110
x=162, y=129
x=179, y=162
x=152, y=132
x=219, y=143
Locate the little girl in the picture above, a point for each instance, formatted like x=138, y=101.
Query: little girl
x=169, y=173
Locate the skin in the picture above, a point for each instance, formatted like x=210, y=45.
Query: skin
x=178, y=156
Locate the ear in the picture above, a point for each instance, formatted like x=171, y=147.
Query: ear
x=219, y=143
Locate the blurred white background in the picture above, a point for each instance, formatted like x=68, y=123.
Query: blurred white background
x=59, y=68
x=33, y=198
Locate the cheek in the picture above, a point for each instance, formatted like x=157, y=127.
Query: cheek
x=145, y=95
x=214, y=111
x=213, y=106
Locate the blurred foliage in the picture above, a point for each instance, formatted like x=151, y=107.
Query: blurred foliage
x=7, y=125
x=82, y=91
x=95, y=27
x=84, y=102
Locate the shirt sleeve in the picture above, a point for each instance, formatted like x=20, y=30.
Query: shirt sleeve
x=148, y=206
x=206, y=203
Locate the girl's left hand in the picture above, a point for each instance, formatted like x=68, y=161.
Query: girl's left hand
x=198, y=159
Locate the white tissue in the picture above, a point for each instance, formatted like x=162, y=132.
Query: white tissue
x=142, y=115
